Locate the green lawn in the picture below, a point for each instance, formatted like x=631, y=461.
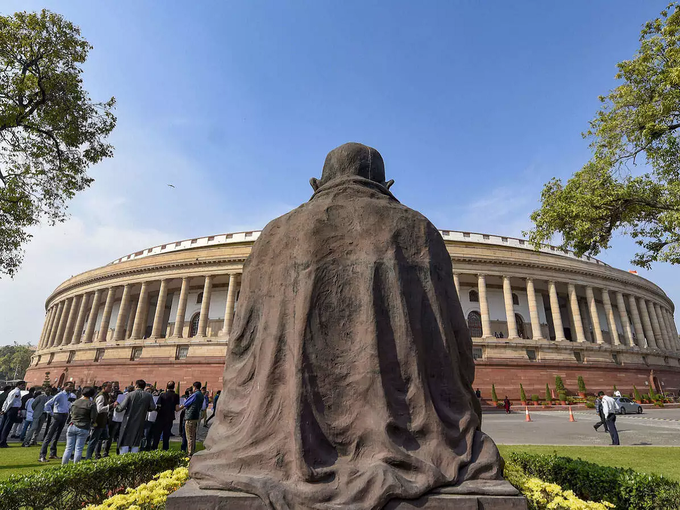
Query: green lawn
x=645, y=459
x=17, y=460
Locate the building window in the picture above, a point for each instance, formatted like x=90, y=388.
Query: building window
x=615, y=358
x=515, y=299
x=466, y=234
x=521, y=242
x=504, y=239
x=578, y=357
x=182, y=352
x=520, y=326
x=486, y=237
x=199, y=298
x=51, y=359
x=474, y=321
x=136, y=353
x=71, y=355
x=99, y=355
x=473, y=296
x=193, y=326
x=477, y=353
x=531, y=354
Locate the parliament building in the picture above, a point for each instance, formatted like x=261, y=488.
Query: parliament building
x=165, y=313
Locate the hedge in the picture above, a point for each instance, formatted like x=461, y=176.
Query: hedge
x=73, y=486
x=624, y=488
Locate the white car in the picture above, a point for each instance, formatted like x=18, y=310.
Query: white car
x=627, y=406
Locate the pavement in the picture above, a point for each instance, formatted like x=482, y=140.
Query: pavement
x=654, y=427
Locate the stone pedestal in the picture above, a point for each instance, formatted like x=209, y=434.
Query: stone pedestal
x=191, y=497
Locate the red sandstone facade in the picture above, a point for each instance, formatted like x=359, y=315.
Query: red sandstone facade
x=165, y=313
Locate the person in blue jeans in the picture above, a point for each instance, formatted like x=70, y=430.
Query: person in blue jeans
x=82, y=417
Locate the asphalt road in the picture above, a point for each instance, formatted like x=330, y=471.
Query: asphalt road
x=660, y=427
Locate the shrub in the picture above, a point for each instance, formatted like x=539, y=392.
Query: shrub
x=559, y=384
x=522, y=395
x=581, y=384
x=622, y=487
x=652, y=393
x=636, y=394
x=494, y=397
x=534, y=398
x=562, y=396
x=73, y=486
x=548, y=395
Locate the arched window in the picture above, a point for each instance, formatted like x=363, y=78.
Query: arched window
x=474, y=296
x=520, y=325
x=199, y=298
x=515, y=299
x=474, y=321
x=193, y=327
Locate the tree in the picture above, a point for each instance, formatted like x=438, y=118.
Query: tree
x=494, y=397
x=638, y=122
x=522, y=395
x=14, y=360
x=50, y=130
x=548, y=395
x=581, y=384
x=559, y=384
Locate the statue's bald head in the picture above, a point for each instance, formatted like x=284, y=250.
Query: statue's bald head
x=353, y=159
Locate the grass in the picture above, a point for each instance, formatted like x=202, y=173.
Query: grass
x=16, y=460
x=644, y=459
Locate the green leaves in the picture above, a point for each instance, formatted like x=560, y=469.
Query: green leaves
x=638, y=124
x=50, y=130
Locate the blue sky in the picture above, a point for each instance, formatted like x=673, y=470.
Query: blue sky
x=473, y=105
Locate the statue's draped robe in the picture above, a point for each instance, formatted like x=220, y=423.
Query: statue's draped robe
x=348, y=378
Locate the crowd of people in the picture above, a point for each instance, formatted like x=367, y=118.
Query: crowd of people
x=137, y=418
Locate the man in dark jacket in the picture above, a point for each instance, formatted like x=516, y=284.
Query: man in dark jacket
x=135, y=406
x=598, y=410
x=168, y=404
x=193, y=406
x=101, y=424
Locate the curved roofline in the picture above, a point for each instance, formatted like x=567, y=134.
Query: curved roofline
x=450, y=235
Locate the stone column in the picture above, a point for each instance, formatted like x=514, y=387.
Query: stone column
x=160, y=310
x=576, y=314
x=73, y=313
x=637, y=322
x=181, y=308
x=585, y=319
x=456, y=282
x=50, y=327
x=229, y=309
x=594, y=317
x=106, y=315
x=658, y=338
x=205, y=307
x=647, y=324
x=80, y=321
x=533, y=311
x=123, y=310
x=92, y=319
x=611, y=321
x=46, y=323
x=662, y=327
x=625, y=322
x=142, y=304
x=669, y=330
x=555, y=310
x=131, y=316
x=57, y=321
x=509, y=308
x=670, y=321
x=63, y=322
x=483, y=306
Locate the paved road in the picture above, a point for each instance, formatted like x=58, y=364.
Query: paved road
x=660, y=427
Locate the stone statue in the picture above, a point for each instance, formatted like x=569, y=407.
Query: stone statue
x=348, y=379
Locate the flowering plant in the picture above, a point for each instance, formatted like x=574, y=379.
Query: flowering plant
x=551, y=497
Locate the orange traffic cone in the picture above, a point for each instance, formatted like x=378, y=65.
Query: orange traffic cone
x=528, y=418
x=571, y=415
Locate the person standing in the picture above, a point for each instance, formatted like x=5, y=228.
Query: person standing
x=83, y=414
x=10, y=412
x=598, y=410
x=506, y=404
x=135, y=405
x=115, y=419
x=168, y=405
x=193, y=406
x=609, y=407
x=215, y=399
x=150, y=422
x=37, y=408
x=60, y=406
x=204, y=409
x=28, y=412
x=100, y=428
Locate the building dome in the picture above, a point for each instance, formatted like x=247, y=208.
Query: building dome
x=165, y=313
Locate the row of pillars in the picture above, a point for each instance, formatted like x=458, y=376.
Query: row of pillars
x=65, y=320
x=650, y=320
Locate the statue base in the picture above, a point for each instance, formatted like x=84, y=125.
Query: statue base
x=503, y=496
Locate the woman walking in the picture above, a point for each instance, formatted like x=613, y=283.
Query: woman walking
x=507, y=404
x=82, y=416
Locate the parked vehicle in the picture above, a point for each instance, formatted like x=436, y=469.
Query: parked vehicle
x=627, y=406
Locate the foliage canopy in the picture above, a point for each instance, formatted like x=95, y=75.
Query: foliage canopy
x=50, y=130
x=637, y=123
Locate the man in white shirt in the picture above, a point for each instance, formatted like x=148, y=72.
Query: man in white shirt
x=10, y=410
x=609, y=407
